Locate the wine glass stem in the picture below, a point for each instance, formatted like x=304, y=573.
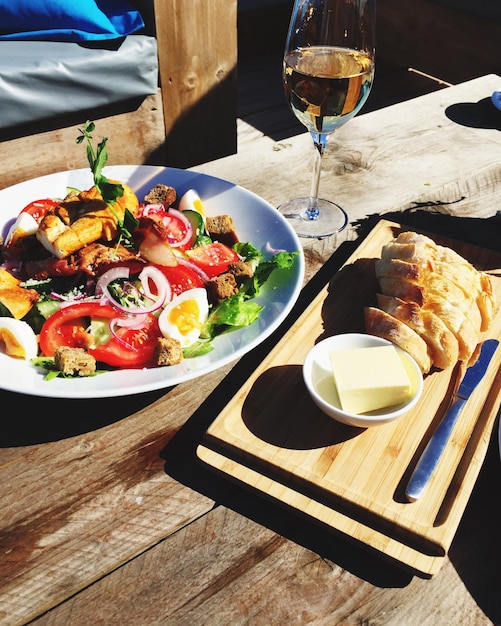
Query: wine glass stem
x=320, y=143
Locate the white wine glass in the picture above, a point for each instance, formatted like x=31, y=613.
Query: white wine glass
x=328, y=70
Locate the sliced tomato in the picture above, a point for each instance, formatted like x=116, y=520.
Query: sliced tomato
x=172, y=226
x=213, y=258
x=39, y=208
x=181, y=278
x=142, y=344
x=68, y=327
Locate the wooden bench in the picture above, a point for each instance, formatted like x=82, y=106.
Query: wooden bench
x=190, y=120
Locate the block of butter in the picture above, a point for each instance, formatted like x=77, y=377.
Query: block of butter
x=368, y=379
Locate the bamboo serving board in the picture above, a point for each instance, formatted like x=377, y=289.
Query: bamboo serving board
x=272, y=438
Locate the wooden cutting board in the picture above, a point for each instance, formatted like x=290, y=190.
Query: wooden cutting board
x=273, y=439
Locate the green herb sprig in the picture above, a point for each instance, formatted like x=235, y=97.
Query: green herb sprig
x=109, y=191
x=97, y=159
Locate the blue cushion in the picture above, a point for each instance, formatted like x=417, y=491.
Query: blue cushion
x=67, y=20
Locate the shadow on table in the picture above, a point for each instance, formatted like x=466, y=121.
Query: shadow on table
x=475, y=552
x=476, y=549
x=481, y=114
x=29, y=420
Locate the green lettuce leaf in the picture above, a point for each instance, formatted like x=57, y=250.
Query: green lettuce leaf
x=282, y=260
x=234, y=312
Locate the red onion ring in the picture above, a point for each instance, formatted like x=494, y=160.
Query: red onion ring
x=189, y=229
x=151, y=208
x=135, y=322
x=148, y=273
x=120, y=321
x=105, y=279
x=272, y=250
x=164, y=291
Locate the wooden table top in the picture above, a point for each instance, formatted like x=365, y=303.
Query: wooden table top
x=107, y=515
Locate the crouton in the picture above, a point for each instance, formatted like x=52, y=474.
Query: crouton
x=241, y=270
x=222, y=287
x=74, y=361
x=168, y=351
x=221, y=228
x=161, y=194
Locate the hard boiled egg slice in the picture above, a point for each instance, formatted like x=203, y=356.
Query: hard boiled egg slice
x=24, y=226
x=184, y=316
x=17, y=339
x=191, y=201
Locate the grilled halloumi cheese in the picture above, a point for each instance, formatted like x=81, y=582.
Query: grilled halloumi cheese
x=17, y=299
x=83, y=219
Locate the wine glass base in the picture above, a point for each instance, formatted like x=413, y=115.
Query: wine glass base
x=330, y=220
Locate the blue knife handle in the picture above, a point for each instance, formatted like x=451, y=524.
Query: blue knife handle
x=433, y=451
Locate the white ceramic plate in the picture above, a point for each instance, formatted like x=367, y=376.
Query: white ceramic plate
x=256, y=221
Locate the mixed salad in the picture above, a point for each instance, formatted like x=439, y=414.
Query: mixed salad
x=124, y=279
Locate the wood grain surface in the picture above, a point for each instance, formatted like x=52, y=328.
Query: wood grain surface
x=198, y=78
x=108, y=516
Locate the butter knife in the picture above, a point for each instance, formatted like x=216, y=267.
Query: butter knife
x=429, y=459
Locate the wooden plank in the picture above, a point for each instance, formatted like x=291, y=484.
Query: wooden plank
x=197, y=51
x=281, y=570
x=136, y=136
x=85, y=490
x=396, y=158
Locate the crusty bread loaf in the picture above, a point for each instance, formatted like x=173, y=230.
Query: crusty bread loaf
x=381, y=324
x=443, y=346
x=430, y=292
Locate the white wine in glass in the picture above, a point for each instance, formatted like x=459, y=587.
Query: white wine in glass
x=328, y=71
